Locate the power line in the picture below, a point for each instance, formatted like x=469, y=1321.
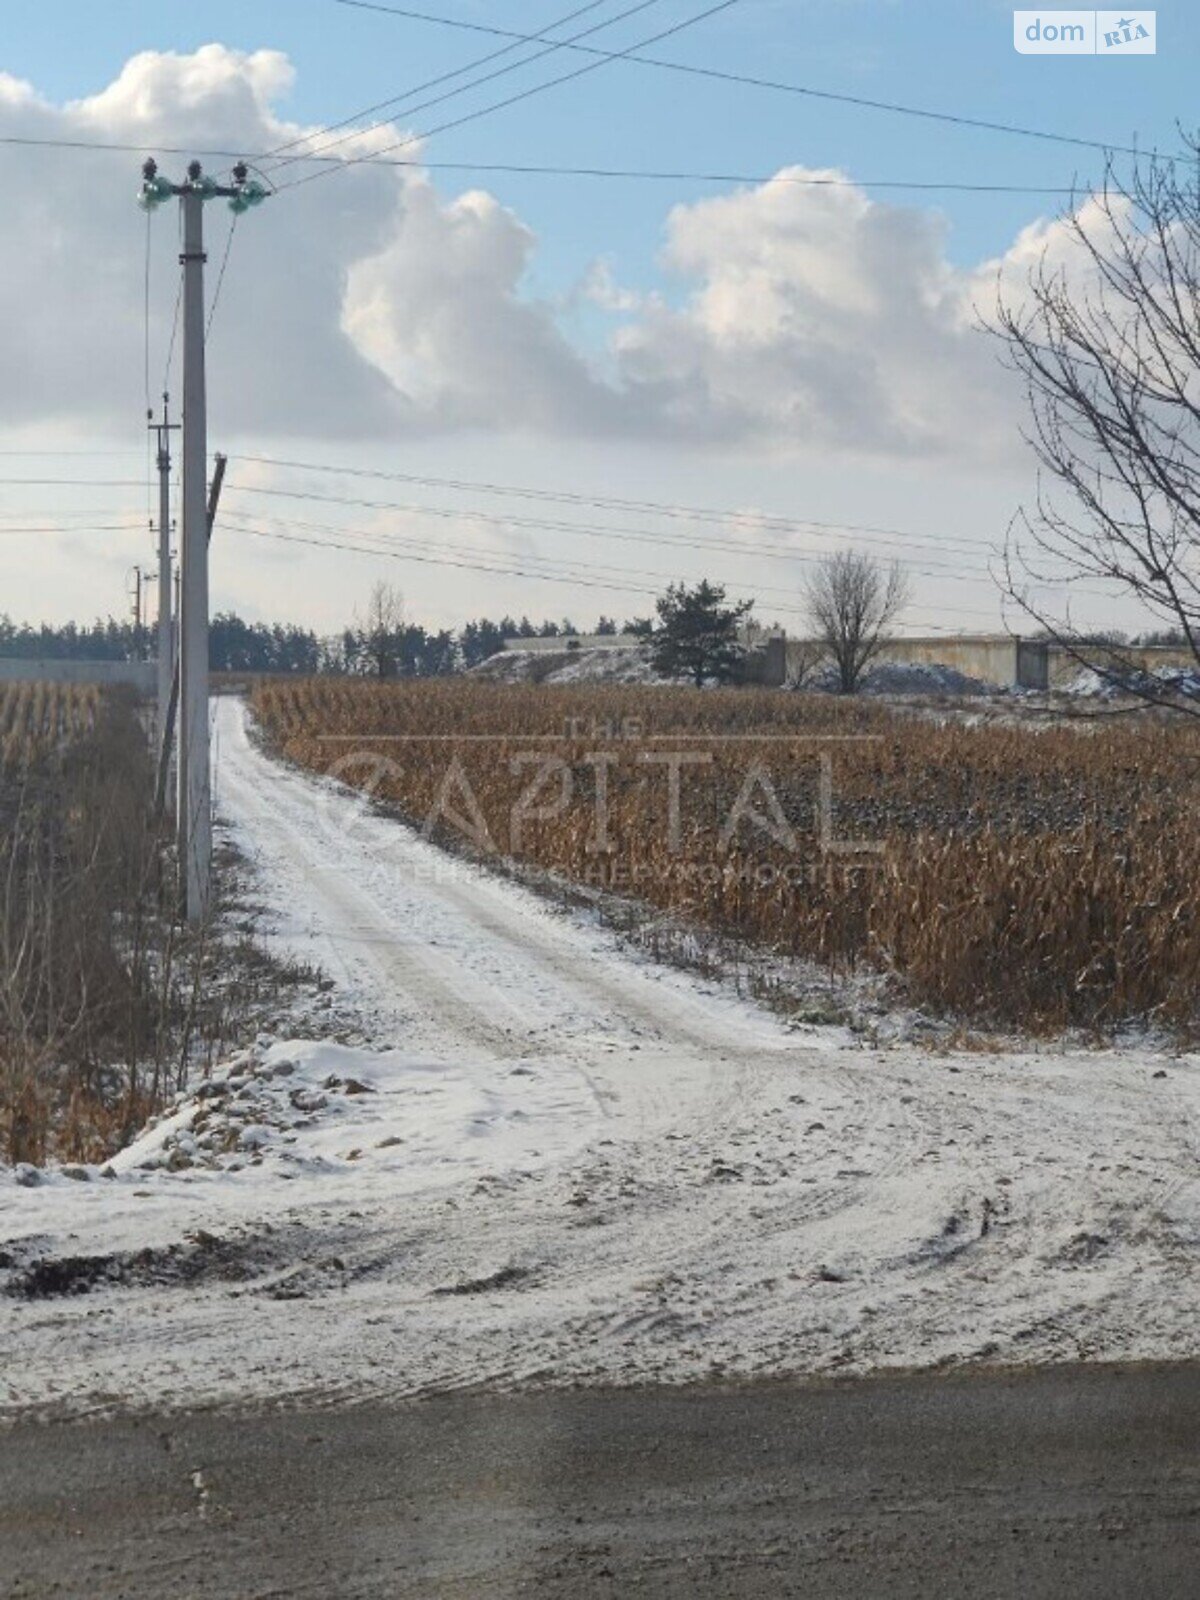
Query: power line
x=630, y=174
x=91, y=527
x=146, y=366
x=73, y=483
x=524, y=94
x=862, y=101
x=488, y=77
x=803, y=558
x=636, y=536
x=506, y=571
x=642, y=174
x=445, y=77
x=441, y=561
x=557, y=569
x=146, y=314
x=46, y=512
x=708, y=514
x=216, y=299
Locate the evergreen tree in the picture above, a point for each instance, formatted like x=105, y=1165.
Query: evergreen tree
x=697, y=635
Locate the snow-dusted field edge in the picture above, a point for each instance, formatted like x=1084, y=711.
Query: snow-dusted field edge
x=556, y=1164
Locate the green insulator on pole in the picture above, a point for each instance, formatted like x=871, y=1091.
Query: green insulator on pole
x=249, y=195
x=154, y=192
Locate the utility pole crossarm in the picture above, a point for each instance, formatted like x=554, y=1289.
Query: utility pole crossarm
x=245, y=192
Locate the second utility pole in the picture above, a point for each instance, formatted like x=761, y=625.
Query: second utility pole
x=166, y=631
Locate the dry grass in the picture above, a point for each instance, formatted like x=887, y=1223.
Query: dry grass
x=77, y=871
x=1033, y=877
x=105, y=1001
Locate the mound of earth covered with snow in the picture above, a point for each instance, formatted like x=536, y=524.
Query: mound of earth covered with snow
x=906, y=677
x=618, y=665
x=634, y=666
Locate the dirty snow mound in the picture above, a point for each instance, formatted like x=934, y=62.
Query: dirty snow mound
x=1181, y=681
x=906, y=677
x=619, y=665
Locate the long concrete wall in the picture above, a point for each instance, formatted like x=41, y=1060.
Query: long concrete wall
x=140, y=674
x=990, y=658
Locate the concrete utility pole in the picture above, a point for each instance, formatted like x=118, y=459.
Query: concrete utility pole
x=166, y=631
x=194, y=817
x=136, y=595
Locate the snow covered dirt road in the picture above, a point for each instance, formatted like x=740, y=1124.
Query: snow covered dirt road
x=554, y=1163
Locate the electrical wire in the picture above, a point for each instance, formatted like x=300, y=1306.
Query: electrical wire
x=433, y=83
x=146, y=374
x=216, y=299
x=724, y=517
x=605, y=531
x=648, y=175
x=166, y=383
x=622, y=173
x=74, y=483
x=746, y=79
x=475, y=83
x=501, y=570
x=46, y=512
x=92, y=527
x=556, y=567
x=524, y=94
x=146, y=315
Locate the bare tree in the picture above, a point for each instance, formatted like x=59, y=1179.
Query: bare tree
x=381, y=630
x=1106, y=333
x=852, y=600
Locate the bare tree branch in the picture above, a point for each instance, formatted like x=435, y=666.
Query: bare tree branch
x=1107, y=339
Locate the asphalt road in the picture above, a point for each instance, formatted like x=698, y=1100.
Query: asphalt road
x=1063, y=1482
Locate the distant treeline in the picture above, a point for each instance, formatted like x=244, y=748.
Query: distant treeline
x=235, y=645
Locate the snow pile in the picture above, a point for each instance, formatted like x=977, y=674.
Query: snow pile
x=923, y=677
x=309, y=1107
x=1181, y=681
x=266, y=1105
x=617, y=665
x=905, y=677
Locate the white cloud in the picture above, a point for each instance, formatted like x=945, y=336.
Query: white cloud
x=71, y=323
x=439, y=311
x=368, y=306
x=817, y=318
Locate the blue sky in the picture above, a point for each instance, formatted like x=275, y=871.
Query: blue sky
x=947, y=55
x=537, y=333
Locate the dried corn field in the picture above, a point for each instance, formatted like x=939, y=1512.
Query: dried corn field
x=1041, y=877
x=37, y=718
